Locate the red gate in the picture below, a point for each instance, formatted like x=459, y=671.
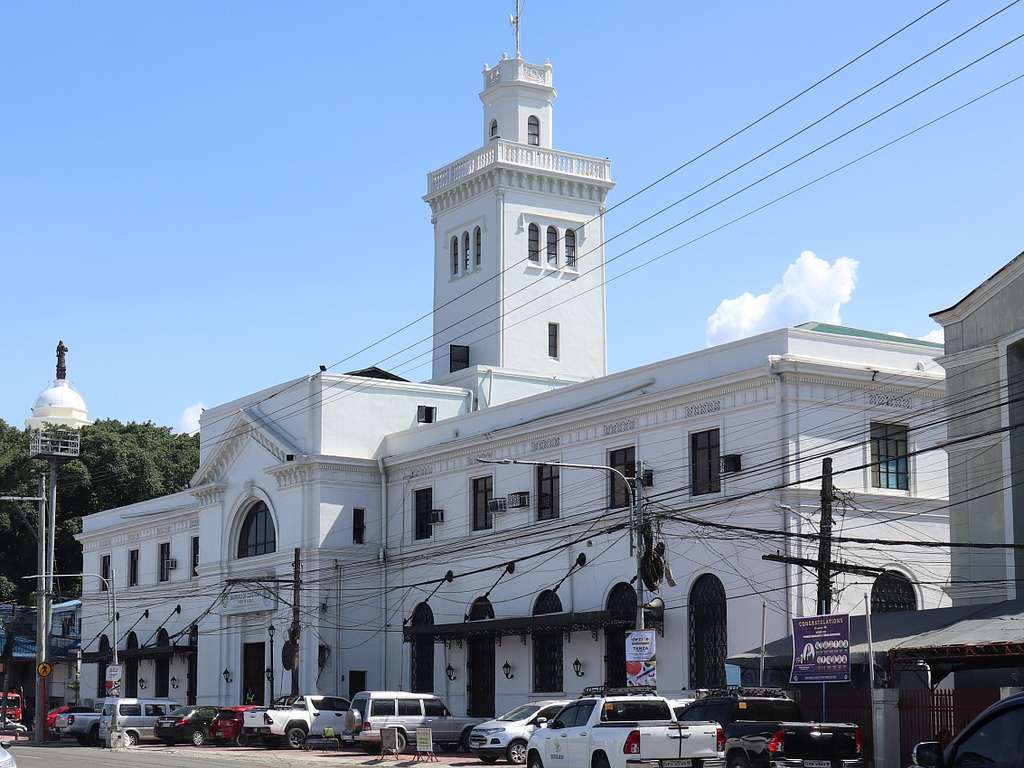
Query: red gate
x=939, y=715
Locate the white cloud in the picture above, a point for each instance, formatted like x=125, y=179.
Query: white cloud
x=189, y=422
x=936, y=335
x=811, y=289
x=901, y=334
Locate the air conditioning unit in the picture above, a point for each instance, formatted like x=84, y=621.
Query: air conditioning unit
x=729, y=462
x=519, y=500
x=499, y=504
x=436, y=516
x=172, y=564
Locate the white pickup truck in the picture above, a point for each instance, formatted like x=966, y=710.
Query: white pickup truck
x=293, y=718
x=622, y=729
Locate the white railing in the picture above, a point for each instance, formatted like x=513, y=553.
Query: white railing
x=523, y=156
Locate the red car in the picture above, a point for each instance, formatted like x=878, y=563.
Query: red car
x=51, y=716
x=226, y=727
x=15, y=710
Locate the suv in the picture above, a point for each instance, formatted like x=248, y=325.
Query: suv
x=190, y=723
x=995, y=737
x=373, y=710
x=764, y=727
x=135, y=717
x=506, y=736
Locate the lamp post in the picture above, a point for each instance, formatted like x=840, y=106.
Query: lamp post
x=636, y=513
x=270, y=670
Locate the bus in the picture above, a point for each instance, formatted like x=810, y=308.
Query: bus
x=15, y=707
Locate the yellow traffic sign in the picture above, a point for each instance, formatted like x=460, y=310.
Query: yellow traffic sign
x=44, y=668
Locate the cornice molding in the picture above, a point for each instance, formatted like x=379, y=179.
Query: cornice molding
x=969, y=357
x=126, y=536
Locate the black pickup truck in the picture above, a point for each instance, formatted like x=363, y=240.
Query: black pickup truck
x=765, y=729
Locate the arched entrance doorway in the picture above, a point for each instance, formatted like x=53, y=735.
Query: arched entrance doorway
x=708, y=633
x=101, y=668
x=131, y=668
x=163, y=665
x=547, y=647
x=480, y=664
x=621, y=608
x=421, y=655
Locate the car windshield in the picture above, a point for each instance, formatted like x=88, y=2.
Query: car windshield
x=286, y=702
x=181, y=711
x=520, y=713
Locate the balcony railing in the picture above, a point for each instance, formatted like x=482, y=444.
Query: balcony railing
x=511, y=153
x=54, y=442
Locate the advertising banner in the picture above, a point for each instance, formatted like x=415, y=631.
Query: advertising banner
x=114, y=675
x=821, y=649
x=641, y=665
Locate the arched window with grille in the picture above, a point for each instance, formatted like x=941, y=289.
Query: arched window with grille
x=422, y=653
x=131, y=668
x=455, y=255
x=570, y=248
x=547, y=647
x=534, y=243
x=101, y=668
x=477, y=246
x=533, y=131
x=258, y=536
x=621, y=619
x=480, y=663
x=163, y=666
x=708, y=633
x=465, y=251
x=892, y=591
x=494, y=129
x=552, y=246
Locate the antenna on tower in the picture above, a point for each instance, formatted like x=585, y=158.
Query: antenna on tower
x=514, y=20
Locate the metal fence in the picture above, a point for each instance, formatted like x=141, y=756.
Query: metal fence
x=939, y=715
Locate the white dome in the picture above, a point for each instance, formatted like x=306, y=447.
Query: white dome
x=61, y=405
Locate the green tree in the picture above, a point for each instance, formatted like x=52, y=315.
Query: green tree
x=119, y=464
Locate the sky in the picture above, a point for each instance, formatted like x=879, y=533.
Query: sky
x=205, y=199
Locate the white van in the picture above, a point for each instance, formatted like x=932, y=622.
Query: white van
x=135, y=717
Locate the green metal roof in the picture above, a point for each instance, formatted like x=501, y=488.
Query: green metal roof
x=842, y=330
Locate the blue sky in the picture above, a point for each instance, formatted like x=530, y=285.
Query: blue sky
x=204, y=199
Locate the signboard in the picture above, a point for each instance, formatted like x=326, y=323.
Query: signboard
x=388, y=740
x=424, y=740
x=821, y=649
x=114, y=675
x=641, y=666
x=44, y=668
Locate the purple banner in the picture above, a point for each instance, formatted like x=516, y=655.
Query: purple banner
x=821, y=649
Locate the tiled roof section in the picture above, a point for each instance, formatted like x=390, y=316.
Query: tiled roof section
x=842, y=330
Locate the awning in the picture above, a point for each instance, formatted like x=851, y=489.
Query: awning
x=149, y=652
x=522, y=625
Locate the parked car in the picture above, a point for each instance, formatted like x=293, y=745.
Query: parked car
x=624, y=728
x=226, y=727
x=15, y=706
x=6, y=758
x=507, y=736
x=135, y=717
x=994, y=738
x=373, y=710
x=294, y=718
x=53, y=714
x=764, y=727
x=84, y=727
x=188, y=723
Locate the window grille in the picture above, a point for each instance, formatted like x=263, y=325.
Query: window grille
x=465, y=251
x=534, y=243
x=892, y=591
x=624, y=460
x=621, y=605
x=552, y=246
x=258, y=536
x=547, y=647
x=424, y=501
x=477, y=237
x=570, y=248
x=455, y=255
x=533, y=131
x=422, y=653
x=483, y=490
x=547, y=491
x=889, y=463
x=707, y=619
x=552, y=339
x=705, y=465
x=165, y=556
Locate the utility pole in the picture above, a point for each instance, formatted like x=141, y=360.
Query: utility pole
x=638, y=537
x=825, y=540
x=41, y=612
x=293, y=633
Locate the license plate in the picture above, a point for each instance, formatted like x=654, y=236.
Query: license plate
x=676, y=763
x=817, y=764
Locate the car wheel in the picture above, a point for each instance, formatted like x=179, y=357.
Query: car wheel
x=464, y=740
x=198, y=738
x=295, y=737
x=401, y=742
x=738, y=761
x=601, y=761
x=534, y=761
x=131, y=739
x=83, y=741
x=241, y=740
x=516, y=752
x=488, y=758
x=94, y=736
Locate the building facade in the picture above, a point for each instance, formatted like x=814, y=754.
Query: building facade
x=367, y=512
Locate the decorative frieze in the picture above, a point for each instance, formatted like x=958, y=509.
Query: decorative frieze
x=703, y=408
x=889, y=400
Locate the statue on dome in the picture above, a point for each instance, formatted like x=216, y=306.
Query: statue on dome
x=62, y=369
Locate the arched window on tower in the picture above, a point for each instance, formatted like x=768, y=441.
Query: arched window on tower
x=477, y=245
x=892, y=591
x=465, y=251
x=570, y=248
x=552, y=247
x=547, y=647
x=257, y=536
x=455, y=255
x=534, y=243
x=622, y=619
x=494, y=129
x=533, y=131
x=422, y=653
x=707, y=633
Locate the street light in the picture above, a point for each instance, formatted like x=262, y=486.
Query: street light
x=636, y=513
x=270, y=670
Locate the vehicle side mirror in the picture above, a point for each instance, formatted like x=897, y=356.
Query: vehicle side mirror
x=541, y=721
x=4, y=744
x=928, y=754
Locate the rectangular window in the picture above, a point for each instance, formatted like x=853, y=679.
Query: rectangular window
x=458, y=357
x=426, y=414
x=547, y=492
x=624, y=460
x=570, y=248
x=104, y=571
x=358, y=525
x=704, y=463
x=133, y=568
x=889, y=463
x=165, y=561
x=483, y=489
x=424, y=503
x=552, y=339
x=195, y=557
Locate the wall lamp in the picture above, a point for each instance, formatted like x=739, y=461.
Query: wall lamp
x=142, y=683
x=268, y=673
x=226, y=674
x=507, y=669
x=174, y=683
x=577, y=667
x=450, y=672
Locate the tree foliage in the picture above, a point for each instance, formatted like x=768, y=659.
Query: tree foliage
x=119, y=464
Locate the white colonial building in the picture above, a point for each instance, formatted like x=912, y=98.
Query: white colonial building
x=370, y=487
